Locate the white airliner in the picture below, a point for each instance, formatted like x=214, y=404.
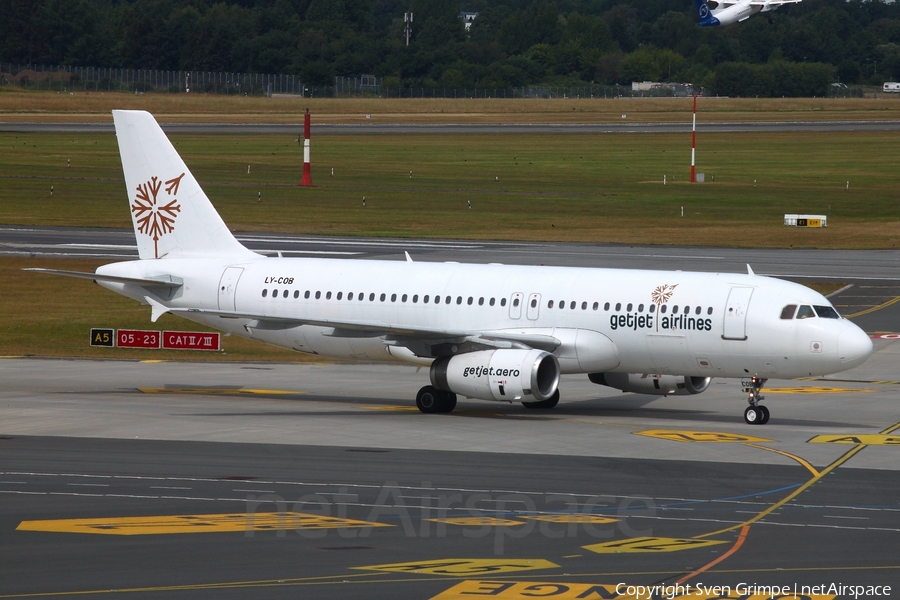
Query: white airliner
x=492, y=332
x=735, y=11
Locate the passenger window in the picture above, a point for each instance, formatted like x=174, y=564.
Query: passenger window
x=562, y=304
x=516, y=302
x=448, y=299
x=296, y=293
x=340, y=295
x=265, y=293
x=492, y=302
x=663, y=308
x=709, y=310
x=628, y=308
x=572, y=305
x=415, y=298
x=502, y=301
x=371, y=297
x=826, y=312
x=687, y=310
x=393, y=297
x=697, y=311
x=470, y=300
x=640, y=308
x=481, y=302
x=788, y=311
x=618, y=306
x=285, y=294
x=652, y=308
x=382, y=297
x=596, y=305
x=274, y=293
x=328, y=296
x=584, y=306
x=318, y=295
x=675, y=310
x=805, y=312
x=533, y=302
x=606, y=306
x=306, y=294
x=459, y=299
x=350, y=296
x=425, y=299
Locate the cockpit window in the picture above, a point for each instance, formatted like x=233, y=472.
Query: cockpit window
x=805, y=312
x=826, y=312
x=788, y=311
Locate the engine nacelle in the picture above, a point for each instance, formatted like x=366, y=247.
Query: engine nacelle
x=657, y=385
x=504, y=375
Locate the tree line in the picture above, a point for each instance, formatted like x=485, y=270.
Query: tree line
x=511, y=43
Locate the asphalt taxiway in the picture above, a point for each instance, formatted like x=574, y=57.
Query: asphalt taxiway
x=222, y=480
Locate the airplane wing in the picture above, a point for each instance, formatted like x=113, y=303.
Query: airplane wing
x=166, y=281
x=422, y=341
x=773, y=3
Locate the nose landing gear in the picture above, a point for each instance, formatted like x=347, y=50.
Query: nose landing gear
x=756, y=413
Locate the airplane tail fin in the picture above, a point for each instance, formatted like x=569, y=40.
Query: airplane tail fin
x=704, y=14
x=171, y=214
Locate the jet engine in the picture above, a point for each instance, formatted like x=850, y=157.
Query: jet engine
x=504, y=375
x=657, y=385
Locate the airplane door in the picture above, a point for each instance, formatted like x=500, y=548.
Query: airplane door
x=735, y=321
x=228, y=287
x=534, y=307
x=515, y=305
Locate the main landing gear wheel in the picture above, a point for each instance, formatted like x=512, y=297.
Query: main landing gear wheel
x=544, y=404
x=432, y=400
x=756, y=413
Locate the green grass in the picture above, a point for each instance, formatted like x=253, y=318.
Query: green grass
x=600, y=188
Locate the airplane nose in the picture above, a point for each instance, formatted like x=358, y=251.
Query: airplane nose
x=854, y=347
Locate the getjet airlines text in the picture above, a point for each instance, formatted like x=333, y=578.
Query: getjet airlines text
x=636, y=321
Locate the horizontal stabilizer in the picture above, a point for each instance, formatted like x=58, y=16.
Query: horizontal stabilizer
x=165, y=281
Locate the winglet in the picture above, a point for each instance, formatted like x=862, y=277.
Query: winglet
x=408, y=257
x=749, y=270
x=156, y=309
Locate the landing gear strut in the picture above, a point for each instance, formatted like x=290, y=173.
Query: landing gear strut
x=756, y=413
x=432, y=400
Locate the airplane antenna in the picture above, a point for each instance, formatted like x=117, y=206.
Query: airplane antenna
x=750, y=271
x=408, y=257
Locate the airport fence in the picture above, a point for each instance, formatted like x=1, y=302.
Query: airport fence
x=70, y=79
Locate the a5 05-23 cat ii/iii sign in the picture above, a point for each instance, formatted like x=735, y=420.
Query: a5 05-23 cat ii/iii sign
x=168, y=340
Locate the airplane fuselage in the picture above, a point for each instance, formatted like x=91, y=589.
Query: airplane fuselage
x=678, y=323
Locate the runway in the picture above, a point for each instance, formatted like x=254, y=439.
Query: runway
x=462, y=129
x=217, y=480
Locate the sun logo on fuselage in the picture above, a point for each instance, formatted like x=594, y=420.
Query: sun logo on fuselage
x=152, y=217
x=661, y=295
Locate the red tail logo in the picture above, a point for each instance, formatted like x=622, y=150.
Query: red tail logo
x=154, y=218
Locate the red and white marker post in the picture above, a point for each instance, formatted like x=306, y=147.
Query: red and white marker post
x=693, y=139
x=307, y=177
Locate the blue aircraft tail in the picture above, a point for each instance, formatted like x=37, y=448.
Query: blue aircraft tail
x=704, y=14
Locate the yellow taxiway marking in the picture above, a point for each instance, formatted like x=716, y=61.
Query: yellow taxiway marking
x=464, y=566
x=649, y=544
x=477, y=521
x=870, y=439
x=195, y=524
x=522, y=590
x=874, y=308
x=802, y=461
x=818, y=390
x=577, y=518
x=699, y=436
x=220, y=391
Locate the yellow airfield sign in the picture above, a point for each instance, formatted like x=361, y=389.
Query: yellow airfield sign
x=650, y=544
x=218, y=523
x=676, y=435
x=457, y=567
